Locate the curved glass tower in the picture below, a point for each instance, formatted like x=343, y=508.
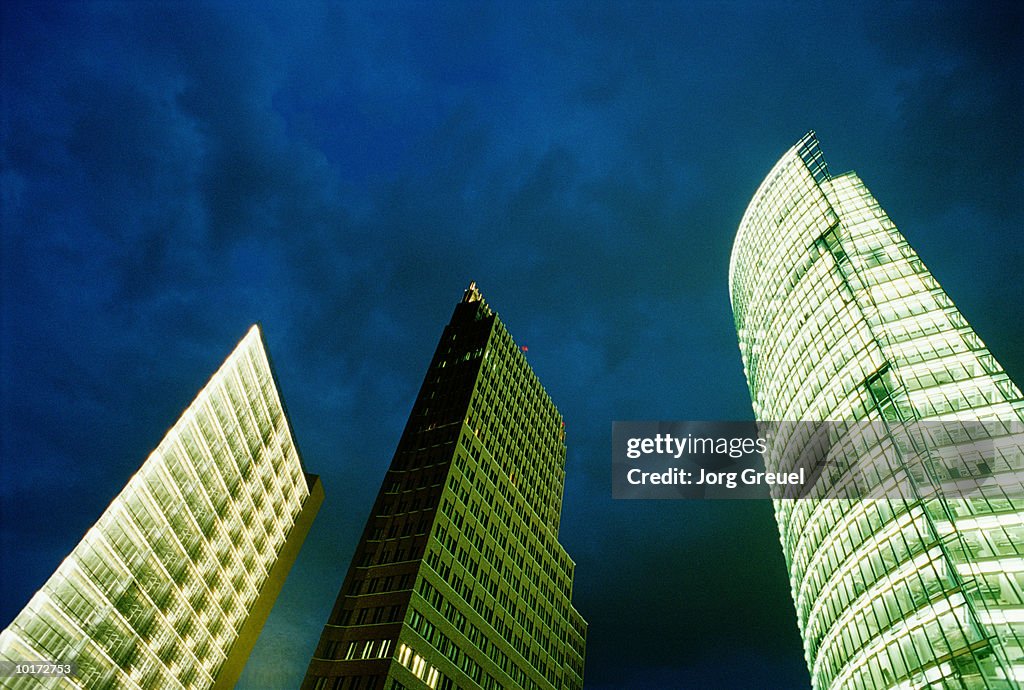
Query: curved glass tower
x=839, y=320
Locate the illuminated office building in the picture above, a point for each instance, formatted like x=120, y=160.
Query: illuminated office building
x=459, y=581
x=838, y=319
x=171, y=586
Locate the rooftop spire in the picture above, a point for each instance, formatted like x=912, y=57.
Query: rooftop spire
x=472, y=294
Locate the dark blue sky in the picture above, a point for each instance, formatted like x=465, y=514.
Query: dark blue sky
x=173, y=172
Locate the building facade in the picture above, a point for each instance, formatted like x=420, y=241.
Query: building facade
x=838, y=319
x=459, y=581
x=171, y=587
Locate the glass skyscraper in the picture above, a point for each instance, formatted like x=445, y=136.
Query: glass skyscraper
x=459, y=581
x=838, y=319
x=172, y=585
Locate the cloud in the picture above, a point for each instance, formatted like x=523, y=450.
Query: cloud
x=339, y=172
x=960, y=100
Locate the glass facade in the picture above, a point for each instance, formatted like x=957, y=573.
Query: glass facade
x=160, y=591
x=459, y=581
x=838, y=319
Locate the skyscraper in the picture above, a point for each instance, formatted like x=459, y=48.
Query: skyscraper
x=459, y=581
x=172, y=585
x=838, y=319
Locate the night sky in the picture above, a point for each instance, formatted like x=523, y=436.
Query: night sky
x=172, y=173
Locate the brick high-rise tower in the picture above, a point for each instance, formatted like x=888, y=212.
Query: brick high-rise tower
x=459, y=580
